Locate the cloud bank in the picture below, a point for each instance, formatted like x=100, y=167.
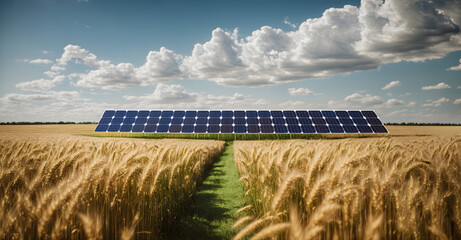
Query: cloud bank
x=341, y=41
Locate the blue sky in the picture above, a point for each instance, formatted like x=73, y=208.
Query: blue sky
x=70, y=60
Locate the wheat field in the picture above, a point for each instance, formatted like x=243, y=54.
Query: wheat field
x=386, y=188
x=68, y=187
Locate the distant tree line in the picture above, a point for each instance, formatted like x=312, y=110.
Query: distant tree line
x=43, y=123
x=423, y=124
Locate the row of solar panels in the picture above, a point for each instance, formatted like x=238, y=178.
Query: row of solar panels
x=240, y=121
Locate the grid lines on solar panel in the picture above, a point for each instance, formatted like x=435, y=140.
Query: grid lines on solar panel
x=241, y=121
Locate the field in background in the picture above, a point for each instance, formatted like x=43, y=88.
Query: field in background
x=69, y=187
x=88, y=129
x=383, y=188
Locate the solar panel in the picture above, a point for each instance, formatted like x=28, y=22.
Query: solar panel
x=240, y=121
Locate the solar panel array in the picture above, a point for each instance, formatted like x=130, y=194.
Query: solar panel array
x=240, y=121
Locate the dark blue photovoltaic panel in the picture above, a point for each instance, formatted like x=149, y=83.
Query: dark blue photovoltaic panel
x=342, y=114
x=150, y=128
x=374, y=121
x=302, y=114
x=294, y=128
x=167, y=114
x=165, y=121
x=117, y=120
x=265, y=114
x=277, y=114
x=215, y=114
x=315, y=114
x=267, y=129
x=188, y=128
x=227, y=114
x=322, y=129
x=319, y=121
x=201, y=120
x=214, y=120
x=200, y=128
x=369, y=114
x=332, y=121
x=308, y=129
x=379, y=129
x=336, y=129
x=120, y=113
x=179, y=114
x=226, y=128
x=143, y=114
x=129, y=120
x=227, y=120
x=329, y=114
x=265, y=121
x=240, y=121
x=213, y=129
x=162, y=128
x=174, y=128
x=356, y=114
x=131, y=114
x=177, y=120
x=140, y=120
x=350, y=129
x=253, y=129
x=114, y=128
x=189, y=120
x=252, y=121
x=305, y=121
x=364, y=129
x=138, y=128
x=191, y=114
x=152, y=120
x=280, y=129
x=155, y=114
x=289, y=114
x=346, y=121
x=101, y=128
x=292, y=121
x=239, y=114
x=360, y=121
x=201, y=114
x=278, y=120
x=108, y=113
x=240, y=129
x=105, y=120
x=251, y=114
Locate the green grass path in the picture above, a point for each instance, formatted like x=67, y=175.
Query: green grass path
x=214, y=208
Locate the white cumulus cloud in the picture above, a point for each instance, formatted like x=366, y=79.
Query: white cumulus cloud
x=456, y=68
x=40, y=85
x=301, y=92
x=40, y=61
x=391, y=85
x=436, y=103
x=436, y=87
